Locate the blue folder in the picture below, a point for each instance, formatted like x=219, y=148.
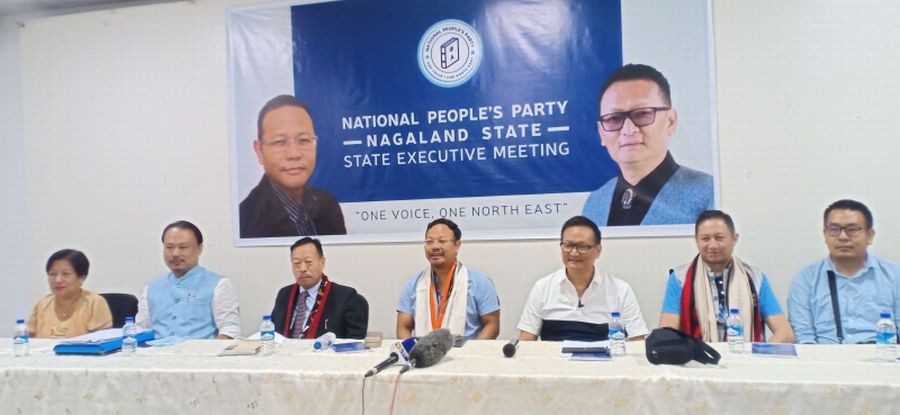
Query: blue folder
x=100, y=347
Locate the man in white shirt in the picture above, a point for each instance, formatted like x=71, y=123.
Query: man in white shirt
x=577, y=301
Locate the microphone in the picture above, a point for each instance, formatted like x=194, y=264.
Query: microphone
x=509, y=349
x=429, y=350
x=459, y=341
x=399, y=351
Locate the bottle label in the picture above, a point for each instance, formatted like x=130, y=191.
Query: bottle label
x=21, y=339
x=735, y=331
x=886, y=337
x=267, y=335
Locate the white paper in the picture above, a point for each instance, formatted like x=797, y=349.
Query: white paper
x=99, y=336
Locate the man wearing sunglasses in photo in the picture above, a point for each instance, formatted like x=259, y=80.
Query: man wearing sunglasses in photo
x=839, y=298
x=636, y=121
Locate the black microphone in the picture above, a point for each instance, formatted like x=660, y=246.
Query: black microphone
x=386, y=363
x=509, y=349
x=430, y=349
x=398, y=351
x=580, y=304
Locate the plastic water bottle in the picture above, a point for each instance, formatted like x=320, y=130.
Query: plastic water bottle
x=324, y=342
x=267, y=335
x=129, y=337
x=735, y=332
x=20, y=339
x=886, y=338
x=616, y=335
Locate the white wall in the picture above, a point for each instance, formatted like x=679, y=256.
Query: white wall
x=125, y=128
x=16, y=297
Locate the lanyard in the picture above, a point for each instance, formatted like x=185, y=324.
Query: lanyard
x=437, y=319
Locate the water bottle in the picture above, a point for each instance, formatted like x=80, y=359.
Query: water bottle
x=20, y=340
x=129, y=337
x=886, y=338
x=267, y=336
x=616, y=335
x=735, y=332
x=324, y=342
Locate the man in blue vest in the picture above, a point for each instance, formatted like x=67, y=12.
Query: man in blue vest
x=190, y=302
x=636, y=122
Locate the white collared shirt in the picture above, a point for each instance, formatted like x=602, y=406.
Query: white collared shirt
x=554, y=297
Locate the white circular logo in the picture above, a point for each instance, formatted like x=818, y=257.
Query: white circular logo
x=449, y=53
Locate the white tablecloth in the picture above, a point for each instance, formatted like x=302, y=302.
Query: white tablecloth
x=477, y=379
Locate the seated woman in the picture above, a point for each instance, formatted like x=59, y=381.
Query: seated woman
x=69, y=311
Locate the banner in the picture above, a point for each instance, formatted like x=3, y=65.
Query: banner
x=361, y=121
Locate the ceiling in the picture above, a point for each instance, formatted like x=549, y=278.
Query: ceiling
x=41, y=7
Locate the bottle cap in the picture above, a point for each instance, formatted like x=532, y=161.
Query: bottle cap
x=735, y=310
x=20, y=321
x=885, y=315
x=267, y=317
x=616, y=314
x=129, y=319
x=317, y=345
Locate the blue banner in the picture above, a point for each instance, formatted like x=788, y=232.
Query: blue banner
x=484, y=112
x=462, y=98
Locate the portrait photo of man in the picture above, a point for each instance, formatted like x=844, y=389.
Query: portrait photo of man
x=284, y=203
x=636, y=122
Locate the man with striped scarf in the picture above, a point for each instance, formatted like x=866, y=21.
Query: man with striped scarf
x=700, y=293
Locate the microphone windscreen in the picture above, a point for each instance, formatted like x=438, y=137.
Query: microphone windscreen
x=443, y=340
x=509, y=349
x=431, y=348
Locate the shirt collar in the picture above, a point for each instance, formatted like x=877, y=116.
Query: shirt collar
x=312, y=290
x=724, y=272
x=870, y=263
x=640, y=196
x=564, y=279
x=298, y=212
x=193, y=271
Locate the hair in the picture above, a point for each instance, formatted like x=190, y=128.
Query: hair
x=714, y=214
x=851, y=205
x=581, y=221
x=183, y=224
x=274, y=104
x=457, y=233
x=635, y=71
x=75, y=257
x=307, y=240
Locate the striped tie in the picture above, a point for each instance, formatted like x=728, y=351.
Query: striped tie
x=299, y=315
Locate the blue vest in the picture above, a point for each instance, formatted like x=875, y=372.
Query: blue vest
x=183, y=306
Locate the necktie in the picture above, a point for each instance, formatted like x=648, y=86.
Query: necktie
x=299, y=315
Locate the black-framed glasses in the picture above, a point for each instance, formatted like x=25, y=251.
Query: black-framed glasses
x=641, y=117
x=581, y=248
x=852, y=231
x=305, y=142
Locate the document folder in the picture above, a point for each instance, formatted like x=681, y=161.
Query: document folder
x=99, y=346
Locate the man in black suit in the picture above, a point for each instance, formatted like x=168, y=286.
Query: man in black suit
x=314, y=305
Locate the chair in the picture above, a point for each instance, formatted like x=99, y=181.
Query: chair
x=121, y=306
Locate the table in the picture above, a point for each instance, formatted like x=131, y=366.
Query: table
x=477, y=379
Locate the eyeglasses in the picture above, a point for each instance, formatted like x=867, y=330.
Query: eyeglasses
x=305, y=142
x=439, y=242
x=581, y=248
x=851, y=230
x=641, y=117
